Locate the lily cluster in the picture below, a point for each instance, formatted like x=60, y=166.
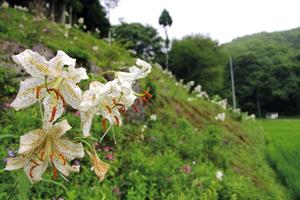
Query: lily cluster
x=54, y=84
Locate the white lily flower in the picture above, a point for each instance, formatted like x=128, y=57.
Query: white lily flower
x=220, y=116
x=219, y=175
x=40, y=147
x=105, y=100
x=135, y=72
x=113, y=98
x=49, y=78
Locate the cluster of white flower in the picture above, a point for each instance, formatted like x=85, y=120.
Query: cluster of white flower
x=97, y=30
x=21, y=8
x=81, y=20
x=54, y=86
x=153, y=117
x=5, y=4
x=219, y=175
x=199, y=93
x=189, y=85
x=95, y=48
x=220, y=117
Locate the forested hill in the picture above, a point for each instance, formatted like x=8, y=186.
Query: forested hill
x=267, y=71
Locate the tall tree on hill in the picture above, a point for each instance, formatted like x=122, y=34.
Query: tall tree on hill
x=165, y=20
x=144, y=41
x=200, y=59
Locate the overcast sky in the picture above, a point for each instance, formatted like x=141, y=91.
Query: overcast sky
x=222, y=20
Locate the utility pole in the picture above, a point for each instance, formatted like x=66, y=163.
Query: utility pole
x=232, y=83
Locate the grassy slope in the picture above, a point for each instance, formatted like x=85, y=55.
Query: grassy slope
x=284, y=150
x=148, y=163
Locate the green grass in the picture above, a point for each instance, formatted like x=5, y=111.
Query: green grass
x=284, y=150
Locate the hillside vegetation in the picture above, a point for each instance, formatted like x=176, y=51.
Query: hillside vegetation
x=267, y=71
x=175, y=156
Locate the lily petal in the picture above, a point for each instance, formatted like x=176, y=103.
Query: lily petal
x=59, y=129
x=100, y=167
x=72, y=93
x=62, y=166
x=34, y=170
x=33, y=63
x=16, y=163
x=60, y=60
x=77, y=74
x=28, y=93
x=86, y=121
x=31, y=141
x=53, y=109
x=69, y=149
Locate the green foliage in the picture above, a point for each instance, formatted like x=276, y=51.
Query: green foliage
x=143, y=40
x=200, y=59
x=266, y=68
x=165, y=19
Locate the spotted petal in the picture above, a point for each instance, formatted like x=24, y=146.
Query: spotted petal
x=60, y=60
x=86, y=121
x=16, y=163
x=53, y=109
x=31, y=141
x=34, y=64
x=62, y=166
x=77, y=74
x=72, y=93
x=29, y=90
x=69, y=149
x=59, y=129
x=34, y=170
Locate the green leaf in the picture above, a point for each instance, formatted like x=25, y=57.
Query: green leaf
x=23, y=185
x=56, y=183
x=8, y=136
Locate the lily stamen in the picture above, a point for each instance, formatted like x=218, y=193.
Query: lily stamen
x=104, y=124
x=117, y=120
x=53, y=113
x=42, y=156
x=38, y=91
x=62, y=158
x=135, y=108
x=31, y=169
x=108, y=109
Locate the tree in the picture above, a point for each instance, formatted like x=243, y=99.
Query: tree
x=94, y=16
x=200, y=59
x=143, y=40
x=165, y=20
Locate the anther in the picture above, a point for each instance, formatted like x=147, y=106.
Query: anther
x=62, y=158
x=104, y=123
x=135, y=108
x=108, y=109
x=53, y=113
x=31, y=169
x=117, y=120
x=37, y=93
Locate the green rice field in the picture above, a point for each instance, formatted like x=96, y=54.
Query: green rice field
x=284, y=150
